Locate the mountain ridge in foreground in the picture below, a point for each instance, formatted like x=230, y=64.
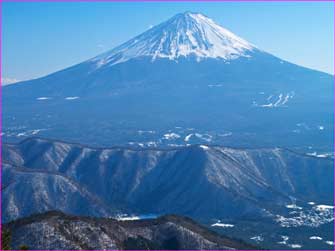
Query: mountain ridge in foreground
x=220, y=187
x=56, y=230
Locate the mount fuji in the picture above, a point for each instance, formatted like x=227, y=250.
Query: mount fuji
x=185, y=81
x=182, y=36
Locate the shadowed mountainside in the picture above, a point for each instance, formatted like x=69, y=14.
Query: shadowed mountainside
x=198, y=181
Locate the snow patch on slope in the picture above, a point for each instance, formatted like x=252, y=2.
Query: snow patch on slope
x=315, y=238
x=43, y=98
x=222, y=225
x=72, y=98
x=171, y=136
x=273, y=101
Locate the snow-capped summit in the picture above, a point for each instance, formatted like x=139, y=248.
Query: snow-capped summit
x=184, y=34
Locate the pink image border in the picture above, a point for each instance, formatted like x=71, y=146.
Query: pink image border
x=270, y=1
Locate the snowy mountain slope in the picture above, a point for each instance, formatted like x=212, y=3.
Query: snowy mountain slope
x=239, y=192
x=41, y=190
x=225, y=182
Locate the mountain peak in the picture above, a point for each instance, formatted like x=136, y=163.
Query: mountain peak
x=185, y=34
x=189, y=14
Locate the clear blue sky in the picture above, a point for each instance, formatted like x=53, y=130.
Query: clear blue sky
x=40, y=38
